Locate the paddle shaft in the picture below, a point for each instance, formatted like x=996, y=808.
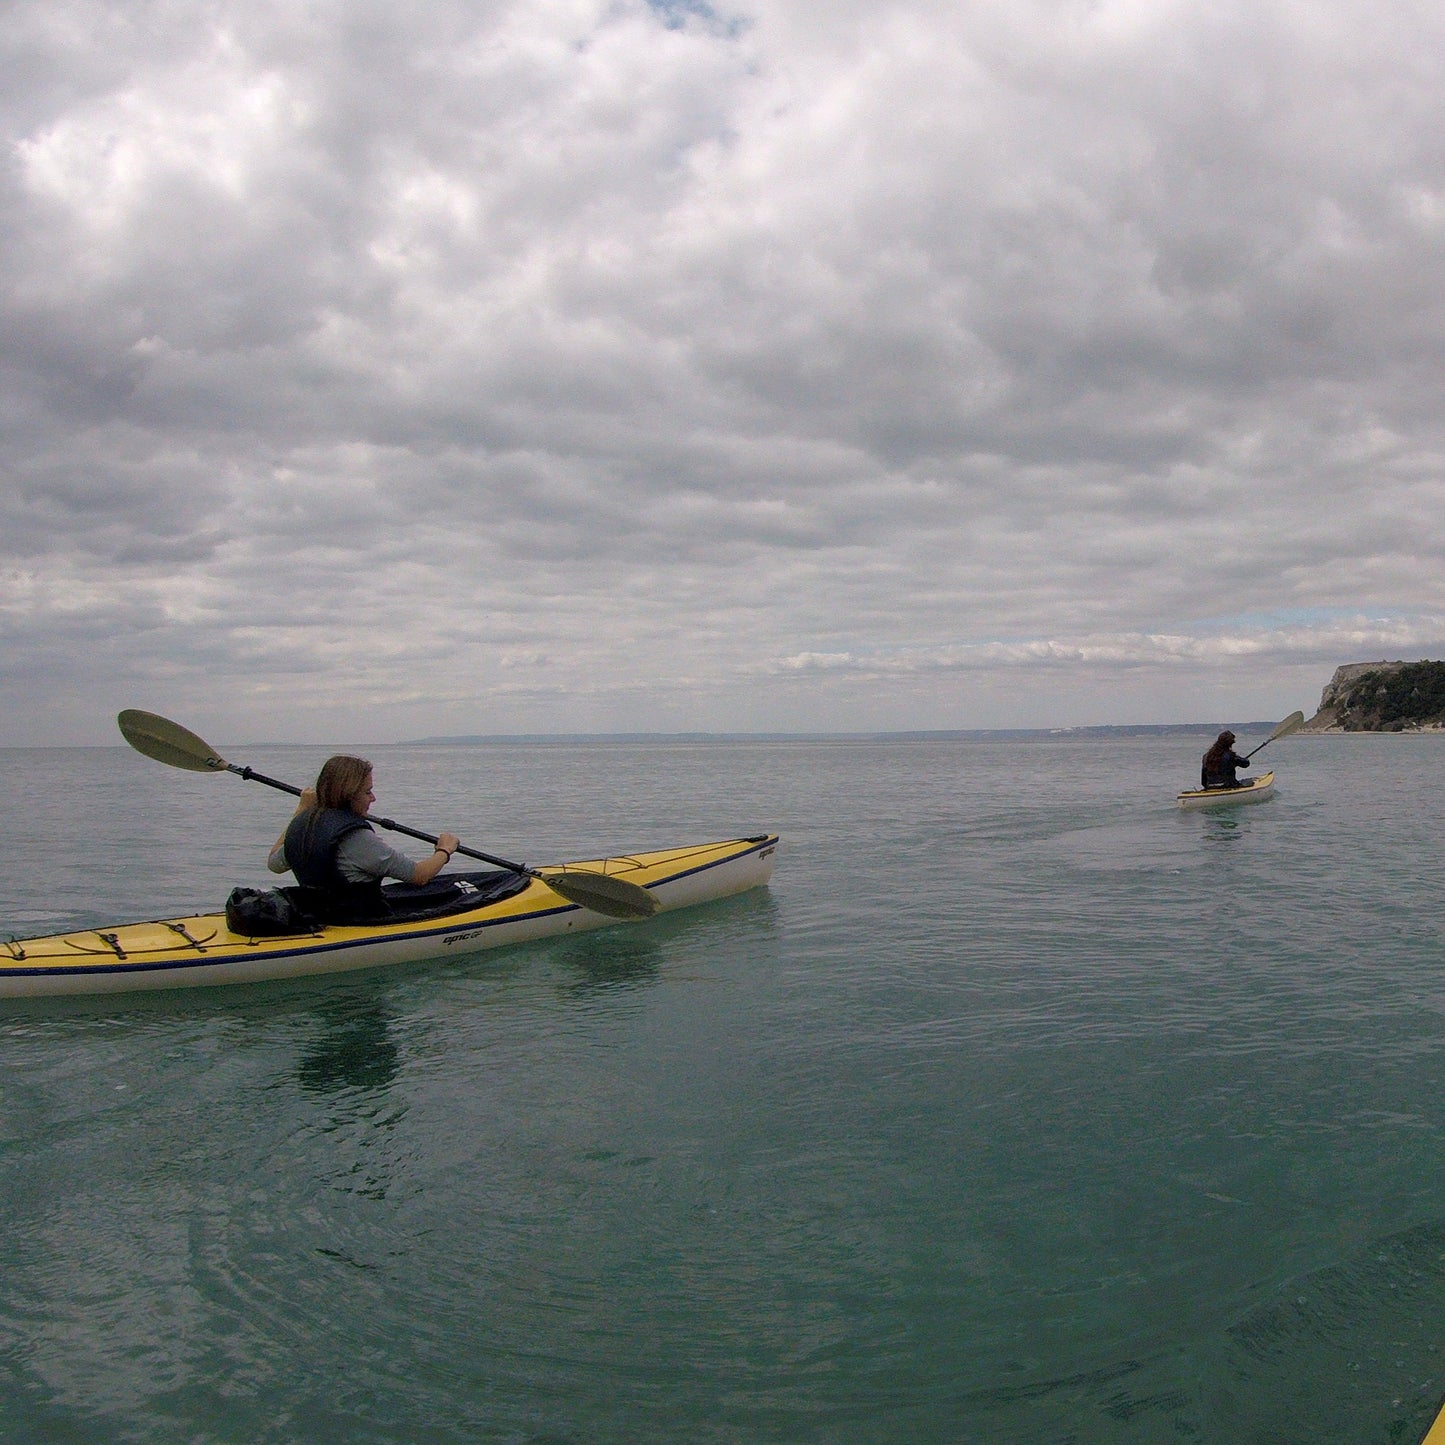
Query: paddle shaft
x=390, y=824
x=168, y=742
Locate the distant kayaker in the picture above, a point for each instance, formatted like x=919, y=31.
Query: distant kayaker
x=1220, y=762
x=330, y=846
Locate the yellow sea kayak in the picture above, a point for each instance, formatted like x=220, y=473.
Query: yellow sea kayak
x=1256, y=790
x=202, y=949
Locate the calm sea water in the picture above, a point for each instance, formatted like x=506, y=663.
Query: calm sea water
x=1021, y=1108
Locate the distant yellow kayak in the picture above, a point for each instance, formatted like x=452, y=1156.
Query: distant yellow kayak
x=1256, y=790
x=203, y=949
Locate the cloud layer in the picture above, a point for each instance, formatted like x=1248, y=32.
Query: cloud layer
x=562, y=366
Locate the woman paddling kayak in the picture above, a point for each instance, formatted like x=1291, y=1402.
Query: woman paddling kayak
x=1218, y=768
x=333, y=850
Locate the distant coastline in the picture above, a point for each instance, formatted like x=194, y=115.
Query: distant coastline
x=1109, y=730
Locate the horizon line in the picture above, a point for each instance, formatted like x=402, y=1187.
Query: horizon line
x=700, y=734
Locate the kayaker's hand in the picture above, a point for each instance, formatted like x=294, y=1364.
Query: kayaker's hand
x=307, y=800
x=428, y=868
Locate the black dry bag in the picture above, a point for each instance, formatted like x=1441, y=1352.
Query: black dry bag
x=263, y=912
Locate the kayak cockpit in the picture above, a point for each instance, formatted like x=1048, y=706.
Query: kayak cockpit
x=257, y=912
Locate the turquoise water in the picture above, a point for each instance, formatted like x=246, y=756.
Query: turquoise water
x=1023, y=1107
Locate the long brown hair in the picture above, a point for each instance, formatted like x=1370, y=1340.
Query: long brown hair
x=1223, y=746
x=341, y=778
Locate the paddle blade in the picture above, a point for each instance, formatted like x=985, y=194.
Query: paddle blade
x=1293, y=721
x=602, y=893
x=167, y=742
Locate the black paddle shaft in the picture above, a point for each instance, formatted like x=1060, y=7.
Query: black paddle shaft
x=390, y=824
x=168, y=742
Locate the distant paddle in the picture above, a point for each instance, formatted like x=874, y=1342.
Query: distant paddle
x=168, y=742
x=1293, y=721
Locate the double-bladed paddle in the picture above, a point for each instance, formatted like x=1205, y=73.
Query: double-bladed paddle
x=1293, y=721
x=170, y=743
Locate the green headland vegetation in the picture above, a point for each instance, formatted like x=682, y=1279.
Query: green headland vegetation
x=1382, y=697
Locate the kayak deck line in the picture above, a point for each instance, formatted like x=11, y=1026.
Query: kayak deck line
x=199, y=944
x=372, y=934
x=201, y=949
x=114, y=947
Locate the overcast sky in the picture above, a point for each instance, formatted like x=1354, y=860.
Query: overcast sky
x=373, y=371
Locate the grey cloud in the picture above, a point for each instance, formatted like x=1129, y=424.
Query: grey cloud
x=506, y=355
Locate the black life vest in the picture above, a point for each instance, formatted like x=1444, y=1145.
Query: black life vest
x=311, y=842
